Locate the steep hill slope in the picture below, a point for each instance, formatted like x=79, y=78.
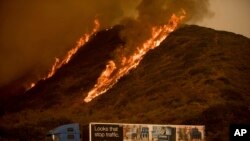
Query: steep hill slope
x=74, y=78
x=196, y=76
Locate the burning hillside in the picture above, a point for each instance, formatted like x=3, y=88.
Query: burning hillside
x=123, y=62
x=59, y=63
x=115, y=69
x=188, y=78
x=143, y=67
x=151, y=32
x=140, y=18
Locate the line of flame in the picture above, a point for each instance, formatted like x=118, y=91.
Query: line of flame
x=112, y=73
x=59, y=63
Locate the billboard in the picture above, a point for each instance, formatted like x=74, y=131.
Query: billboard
x=145, y=132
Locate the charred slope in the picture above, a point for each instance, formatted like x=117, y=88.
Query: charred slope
x=196, y=76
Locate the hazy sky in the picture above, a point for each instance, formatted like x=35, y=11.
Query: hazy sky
x=229, y=15
x=33, y=33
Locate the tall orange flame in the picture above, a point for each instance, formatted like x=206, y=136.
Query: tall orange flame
x=59, y=63
x=112, y=73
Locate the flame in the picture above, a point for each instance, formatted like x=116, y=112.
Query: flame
x=59, y=63
x=29, y=86
x=112, y=73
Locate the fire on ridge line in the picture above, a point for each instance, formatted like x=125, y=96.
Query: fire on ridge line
x=112, y=73
x=59, y=63
x=110, y=76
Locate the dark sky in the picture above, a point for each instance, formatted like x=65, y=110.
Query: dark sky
x=34, y=32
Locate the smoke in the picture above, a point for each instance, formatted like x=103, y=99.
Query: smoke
x=33, y=33
x=151, y=13
x=230, y=15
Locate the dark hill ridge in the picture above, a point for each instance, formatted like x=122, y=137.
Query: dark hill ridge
x=196, y=76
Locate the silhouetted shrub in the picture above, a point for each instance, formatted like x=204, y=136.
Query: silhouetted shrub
x=230, y=94
x=53, y=122
x=224, y=80
x=22, y=133
x=209, y=82
x=200, y=70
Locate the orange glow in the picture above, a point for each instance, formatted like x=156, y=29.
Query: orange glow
x=103, y=81
x=112, y=74
x=59, y=63
x=28, y=87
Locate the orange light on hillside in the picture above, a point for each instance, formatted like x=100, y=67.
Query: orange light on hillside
x=85, y=38
x=60, y=62
x=113, y=73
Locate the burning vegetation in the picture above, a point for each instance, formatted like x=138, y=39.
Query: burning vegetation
x=85, y=38
x=115, y=69
x=195, y=75
x=150, y=23
x=60, y=62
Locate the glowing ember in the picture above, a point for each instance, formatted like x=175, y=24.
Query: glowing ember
x=112, y=74
x=28, y=87
x=59, y=63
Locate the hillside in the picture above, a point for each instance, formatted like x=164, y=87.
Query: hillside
x=196, y=76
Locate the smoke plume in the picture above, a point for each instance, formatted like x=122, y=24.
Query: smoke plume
x=33, y=33
x=151, y=13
